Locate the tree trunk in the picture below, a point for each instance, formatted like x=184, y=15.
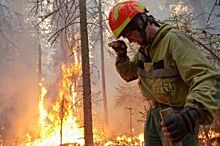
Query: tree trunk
x=87, y=108
x=103, y=65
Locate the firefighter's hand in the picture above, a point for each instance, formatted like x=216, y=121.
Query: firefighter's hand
x=177, y=124
x=119, y=47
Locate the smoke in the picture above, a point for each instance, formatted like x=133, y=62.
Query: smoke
x=19, y=77
x=19, y=102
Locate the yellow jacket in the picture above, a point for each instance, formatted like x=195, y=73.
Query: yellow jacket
x=174, y=72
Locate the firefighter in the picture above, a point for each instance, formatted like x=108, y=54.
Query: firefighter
x=171, y=72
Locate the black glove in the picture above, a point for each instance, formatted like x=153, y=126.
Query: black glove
x=120, y=47
x=177, y=124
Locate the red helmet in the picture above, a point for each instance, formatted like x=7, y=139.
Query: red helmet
x=122, y=13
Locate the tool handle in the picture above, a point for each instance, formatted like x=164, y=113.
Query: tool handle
x=163, y=113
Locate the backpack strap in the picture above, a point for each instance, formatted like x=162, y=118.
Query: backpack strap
x=158, y=73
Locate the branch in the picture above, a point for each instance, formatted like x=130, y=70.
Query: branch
x=209, y=50
x=57, y=33
x=211, y=11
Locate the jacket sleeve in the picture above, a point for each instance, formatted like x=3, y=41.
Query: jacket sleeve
x=202, y=78
x=126, y=68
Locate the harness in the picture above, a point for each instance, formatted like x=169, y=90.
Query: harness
x=157, y=74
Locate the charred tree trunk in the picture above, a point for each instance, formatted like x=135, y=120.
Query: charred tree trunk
x=87, y=104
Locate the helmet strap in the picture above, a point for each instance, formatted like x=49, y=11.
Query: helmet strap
x=142, y=24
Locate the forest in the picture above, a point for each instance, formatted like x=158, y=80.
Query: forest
x=59, y=85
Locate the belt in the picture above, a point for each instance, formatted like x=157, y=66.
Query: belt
x=162, y=105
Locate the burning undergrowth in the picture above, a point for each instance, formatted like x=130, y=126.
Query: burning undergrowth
x=59, y=124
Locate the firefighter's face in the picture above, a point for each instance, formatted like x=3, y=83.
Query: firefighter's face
x=134, y=37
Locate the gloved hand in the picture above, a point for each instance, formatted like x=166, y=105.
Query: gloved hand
x=177, y=124
x=119, y=47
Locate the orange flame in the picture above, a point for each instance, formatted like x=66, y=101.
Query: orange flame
x=210, y=134
x=59, y=126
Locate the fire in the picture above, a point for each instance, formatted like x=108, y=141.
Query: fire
x=209, y=137
x=210, y=134
x=137, y=140
x=59, y=126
